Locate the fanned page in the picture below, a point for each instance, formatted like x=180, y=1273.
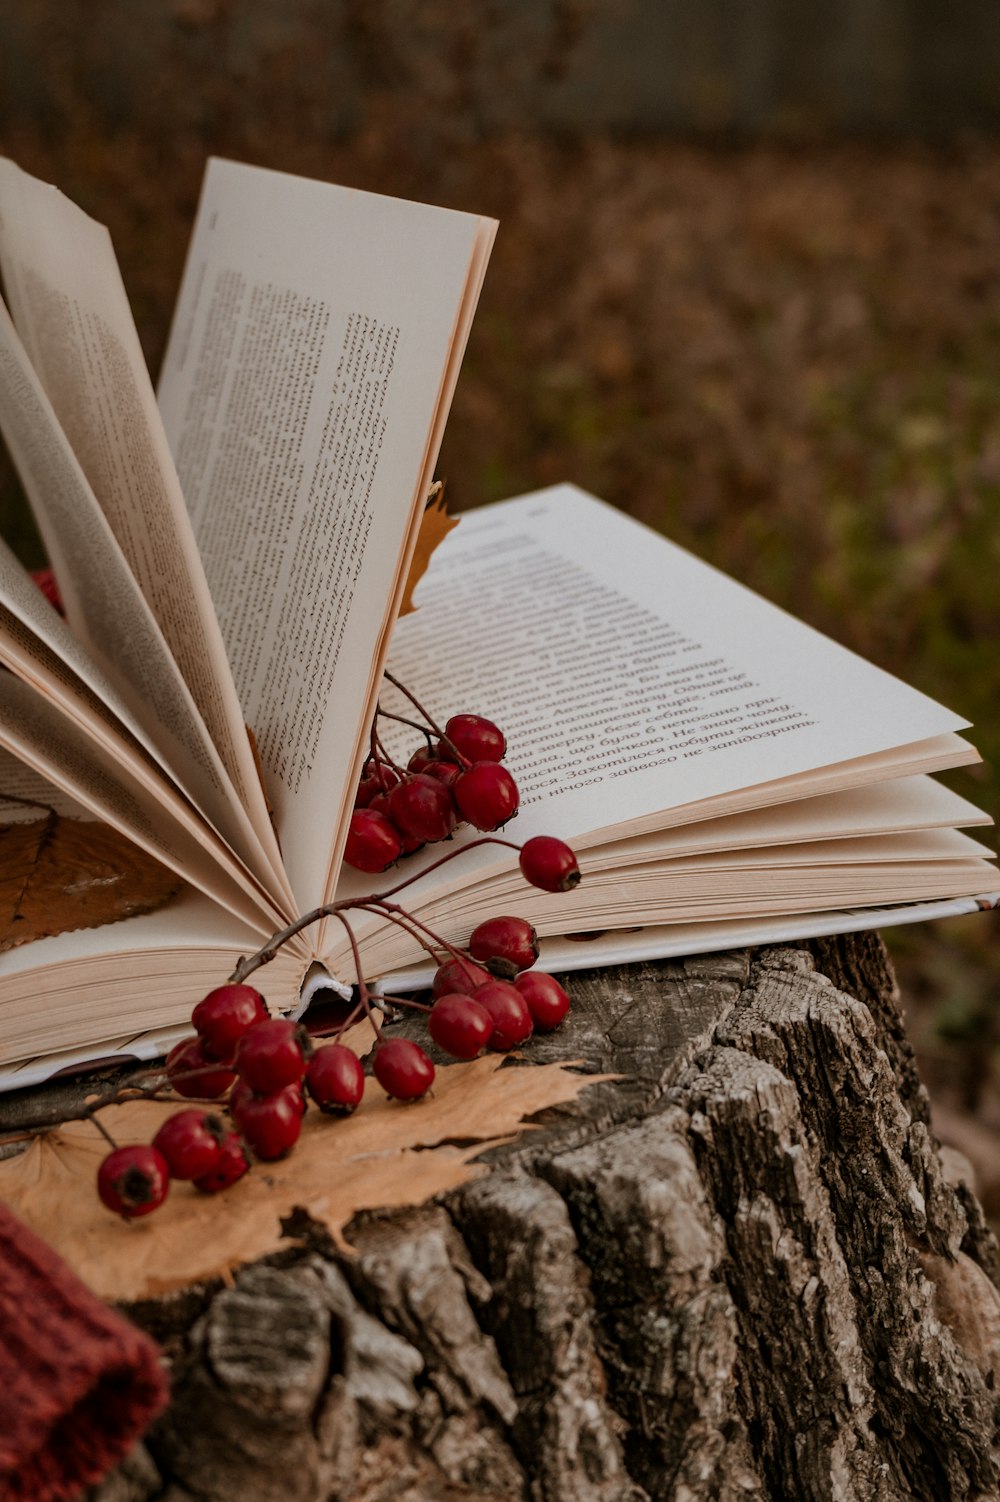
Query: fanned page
x=108, y=610
x=85, y=431
x=312, y=355
x=639, y=688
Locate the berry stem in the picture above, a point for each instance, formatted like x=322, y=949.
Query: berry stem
x=267, y=952
x=91, y=1117
x=449, y=745
x=435, y=727
x=405, y=1001
x=363, y=995
x=391, y=908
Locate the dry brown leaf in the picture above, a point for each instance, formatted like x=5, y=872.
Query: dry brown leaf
x=385, y=1155
x=434, y=528
x=58, y=874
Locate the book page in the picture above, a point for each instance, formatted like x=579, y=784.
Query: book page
x=638, y=687
x=37, y=733
x=127, y=988
x=629, y=677
x=677, y=940
x=107, y=608
x=71, y=311
x=314, y=345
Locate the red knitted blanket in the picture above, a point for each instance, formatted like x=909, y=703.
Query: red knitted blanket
x=78, y=1383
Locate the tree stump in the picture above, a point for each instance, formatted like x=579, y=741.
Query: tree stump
x=738, y=1271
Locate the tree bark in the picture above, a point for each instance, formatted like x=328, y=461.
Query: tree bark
x=738, y=1271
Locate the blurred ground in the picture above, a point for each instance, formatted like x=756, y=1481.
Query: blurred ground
x=786, y=359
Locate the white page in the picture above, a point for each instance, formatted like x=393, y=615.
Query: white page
x=630, y=677
x=125, y=988
x=106, y=606
x=680, y=940
x=314, y=339
x=71, y=310
x=906, y=803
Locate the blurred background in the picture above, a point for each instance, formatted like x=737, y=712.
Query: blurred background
x=747, y=287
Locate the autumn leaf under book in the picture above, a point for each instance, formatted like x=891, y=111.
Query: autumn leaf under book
x=385, y=1155
x=58, y=874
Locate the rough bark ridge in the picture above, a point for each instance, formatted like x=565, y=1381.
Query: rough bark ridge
x=737, y=1272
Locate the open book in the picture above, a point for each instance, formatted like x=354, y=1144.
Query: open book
x=236, y=557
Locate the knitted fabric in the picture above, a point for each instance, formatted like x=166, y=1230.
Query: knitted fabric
x=78, y=1383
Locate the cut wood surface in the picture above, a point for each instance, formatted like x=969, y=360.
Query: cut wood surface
x=739, y=1271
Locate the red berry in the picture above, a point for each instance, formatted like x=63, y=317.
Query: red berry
x=486, y=795
x=547, y=1002
x=512, y=941
x=190, y=1141
x=511, y=1019
x=372, y=842
x=46, y=581
x=132, y=1181
x=445, y=772
x=549, y=864
x=476, y=738
x=403, y=1069
x=270, y=1124
x=335, y=1079
x=195, y=1076
x=423, y=808
x=373, y=782
x=418, y=761
x=458, y=975
x=272, y=1055
x=460, y=1025
x=231, y=1166
x=241, y=1093
x=224, y=1015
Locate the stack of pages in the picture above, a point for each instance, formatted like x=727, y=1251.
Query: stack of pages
x=233, y=557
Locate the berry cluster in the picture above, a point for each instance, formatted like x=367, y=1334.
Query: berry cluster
x=454, y=777
x=263, y=1070
x=487, y=996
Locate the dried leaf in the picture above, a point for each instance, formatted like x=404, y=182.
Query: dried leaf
x=434, y=528
x=58, y=874
x=386, y=1154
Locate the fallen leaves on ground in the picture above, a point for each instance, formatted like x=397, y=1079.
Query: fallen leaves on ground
x=59, y=874
x=385, y=1155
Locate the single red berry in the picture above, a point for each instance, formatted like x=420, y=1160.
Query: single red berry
x=335, y=1079
x=511, y=1019
x=190, y=1141
x=476, y=738
x=241, y=1093
x=458, y=975
x=486, y=795
x=511, y=941
x=547, y=1002
x=460, y=1025
x=224, y=1015
x=374, y=781
x=193, y=1074
x=272, y=1055
x=270, y=1124
x=372, y=842
x=46, y=581
x=445, y=772
x=549, y=863
x=232, y=1165
x=132, y=1181
x=418, y=761
x=423, y=808
x=403, y=1069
